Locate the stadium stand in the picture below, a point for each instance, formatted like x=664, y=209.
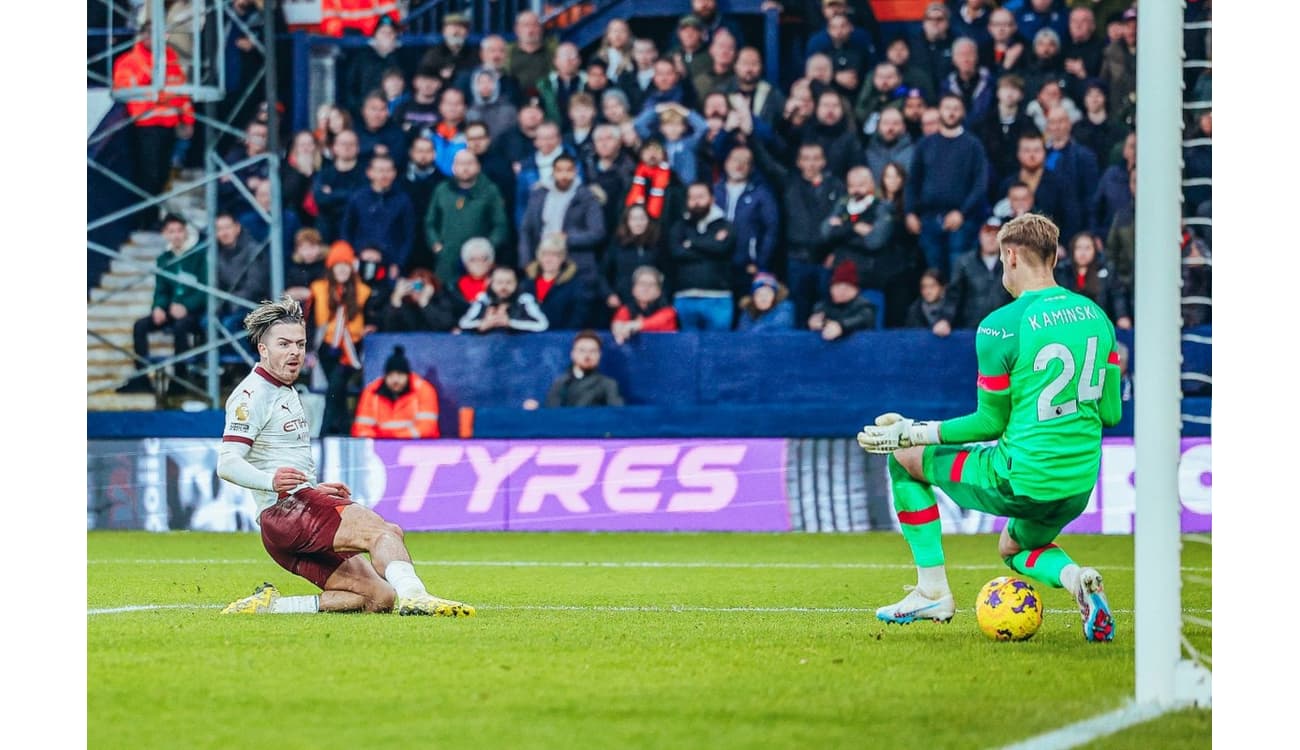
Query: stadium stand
x=1073, y=85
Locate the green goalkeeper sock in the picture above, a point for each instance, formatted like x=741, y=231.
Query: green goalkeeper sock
x=1043, y=564
x=918, y=516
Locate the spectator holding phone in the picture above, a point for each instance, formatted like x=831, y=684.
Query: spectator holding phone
x=420, y=303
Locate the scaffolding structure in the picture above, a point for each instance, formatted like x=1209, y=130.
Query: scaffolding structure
x=210, y=24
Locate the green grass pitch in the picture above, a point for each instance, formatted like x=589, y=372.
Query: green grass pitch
x=604, y=641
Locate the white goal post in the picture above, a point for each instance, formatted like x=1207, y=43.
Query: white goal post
x=1163, y=678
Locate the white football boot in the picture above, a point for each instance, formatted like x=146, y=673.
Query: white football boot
x=917, y=606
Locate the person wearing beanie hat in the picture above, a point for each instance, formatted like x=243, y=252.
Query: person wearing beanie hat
x=338, y=304
x=763, y=279
x=397, y=405
x=845, y=273
x=767, y=308
x=845, y=311
x=397, y=364
x=340, y=252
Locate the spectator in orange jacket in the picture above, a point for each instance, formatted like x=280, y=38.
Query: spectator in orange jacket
x=400, y=405
x=156, y=121
x=339, y=303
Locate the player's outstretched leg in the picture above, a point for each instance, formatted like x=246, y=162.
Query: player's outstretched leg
x=918, y=515
x=362, y=530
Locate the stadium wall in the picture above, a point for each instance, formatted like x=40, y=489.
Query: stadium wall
x=790, y=385
x=749, y=485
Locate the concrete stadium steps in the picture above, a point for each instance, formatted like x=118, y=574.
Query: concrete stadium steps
x=125, y=294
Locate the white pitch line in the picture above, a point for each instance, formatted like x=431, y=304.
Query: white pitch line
x=668, y=608
x=612, y=564
x=147, y=608
x=1102, y=725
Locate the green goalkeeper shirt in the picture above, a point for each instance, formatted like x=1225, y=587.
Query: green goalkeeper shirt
x=1048, y=383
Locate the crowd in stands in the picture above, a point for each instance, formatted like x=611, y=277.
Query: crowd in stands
x=651, y=183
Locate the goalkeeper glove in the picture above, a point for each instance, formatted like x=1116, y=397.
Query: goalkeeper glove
x=893, y=431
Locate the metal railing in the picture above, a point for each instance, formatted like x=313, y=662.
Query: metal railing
x=211, y=26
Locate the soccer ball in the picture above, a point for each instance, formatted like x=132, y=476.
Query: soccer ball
x=1009, y=609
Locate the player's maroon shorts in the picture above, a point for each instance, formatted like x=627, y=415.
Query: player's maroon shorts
x=298, y=532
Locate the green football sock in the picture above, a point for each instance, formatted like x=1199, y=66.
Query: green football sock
x=918, y=516
x=1043, y=564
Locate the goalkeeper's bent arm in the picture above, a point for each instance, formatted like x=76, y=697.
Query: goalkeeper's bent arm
x=987, y=422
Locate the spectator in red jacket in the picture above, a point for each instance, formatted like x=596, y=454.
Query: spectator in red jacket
x=156, y=122
x=399, y=405
x=648, y=312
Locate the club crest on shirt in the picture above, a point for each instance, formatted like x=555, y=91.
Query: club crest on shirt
x=241, y=413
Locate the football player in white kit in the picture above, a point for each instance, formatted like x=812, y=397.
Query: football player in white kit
x=311, y=529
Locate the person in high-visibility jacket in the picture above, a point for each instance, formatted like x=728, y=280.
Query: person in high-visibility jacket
x=338, y=16
x=156, y=121
x=401, y=404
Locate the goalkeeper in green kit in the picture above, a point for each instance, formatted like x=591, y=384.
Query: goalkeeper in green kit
x=1048, y=382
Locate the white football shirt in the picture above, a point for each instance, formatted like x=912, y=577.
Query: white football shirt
x=267, y=415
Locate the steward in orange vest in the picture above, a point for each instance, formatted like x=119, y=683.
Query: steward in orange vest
x=134, y=69
x=359, y=15
x=156, y=121
x=401, y=404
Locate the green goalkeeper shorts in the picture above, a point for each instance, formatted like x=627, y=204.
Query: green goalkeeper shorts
x=968, y=474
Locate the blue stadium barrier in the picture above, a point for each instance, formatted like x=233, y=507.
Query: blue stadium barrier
x=683, y=384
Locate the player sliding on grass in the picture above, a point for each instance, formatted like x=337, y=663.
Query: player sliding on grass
x=312, y=530
x=1048, y=381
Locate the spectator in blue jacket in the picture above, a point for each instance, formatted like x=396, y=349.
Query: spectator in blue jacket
x=257, y=224
x=1044, y=14
x=681, y=130
x=944, y=196
x=379, y=133
x=379, y=216
x=448, y=135
x=1113, y=194
x=748, y=203
x=1074, y=163
x=537, y=168
x=254, y=144
x=766, y=309
x=335, y=183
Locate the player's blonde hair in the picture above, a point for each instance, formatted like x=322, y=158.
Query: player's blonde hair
x=1034, y=232
x=267, y=314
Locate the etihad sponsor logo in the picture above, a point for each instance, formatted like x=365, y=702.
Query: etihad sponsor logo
x=295, y=424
